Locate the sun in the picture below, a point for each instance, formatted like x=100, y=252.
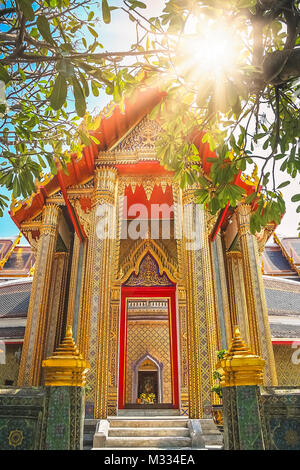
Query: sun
x=212, y=50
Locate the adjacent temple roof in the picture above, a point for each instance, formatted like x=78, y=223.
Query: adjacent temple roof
x=282, y=258
x=15, y=260
x=281, y=281
x=14, y=303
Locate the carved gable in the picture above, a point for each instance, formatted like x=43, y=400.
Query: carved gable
x=141, y=138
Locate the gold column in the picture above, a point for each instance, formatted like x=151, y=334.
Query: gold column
x=183, y=342
x=181, y=299
x=114, y=332
x=114, y=339
x=212, y=321
x=34, y=341
x=73, y=280
x=237, y=294
x=224, y=287
x=259, y=328
x=56, y=301
x=202, y=329
x=94, y=321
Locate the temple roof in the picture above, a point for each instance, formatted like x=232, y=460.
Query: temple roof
x=282, y=258
x=14, y=298
x=9, y=333
x=114, y=125
x=15, y=260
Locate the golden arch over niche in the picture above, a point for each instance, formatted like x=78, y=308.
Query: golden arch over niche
x=133, y=261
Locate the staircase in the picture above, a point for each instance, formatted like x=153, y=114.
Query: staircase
x=147, y=433
x=88, y=433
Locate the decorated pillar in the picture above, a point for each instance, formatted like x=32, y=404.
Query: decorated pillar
x=242, y=373
x=36, y=328
x=73, y=280
x=65, y=380
x=259, y=328
x=211, y=311
x=182, y=303
x=56, y=301
x=222, y=298
x=94, y=322
x=202, y=336
x=237, y=296
x=113, y=351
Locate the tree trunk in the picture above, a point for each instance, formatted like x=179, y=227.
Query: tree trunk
x=281, y=66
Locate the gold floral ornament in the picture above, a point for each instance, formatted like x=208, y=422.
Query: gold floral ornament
x=15, y=438
x=239, y=366
x=66, y=367
x=292, y=438
x=147, y=398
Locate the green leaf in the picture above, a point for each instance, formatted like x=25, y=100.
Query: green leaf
x=106, y=12
x=59, y=92
x=250, y=198
x=93, y=32
x=95, y=89
x=65, y=68
x=94, y=139
x=4, y=75
x=137, y=4
x=84, y=137
x=26, y=7
x=232, y=93
x=283, y=185
x=44, y=28
x=295, y=198
x=80, y=104
x=214, y=205
x=84, y=84
x=154, y=112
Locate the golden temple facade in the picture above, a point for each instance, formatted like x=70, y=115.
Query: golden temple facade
x=151, y=284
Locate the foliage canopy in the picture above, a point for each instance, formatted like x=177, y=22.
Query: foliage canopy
x=230, y=69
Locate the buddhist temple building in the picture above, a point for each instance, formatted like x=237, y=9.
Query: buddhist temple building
x=151, y=283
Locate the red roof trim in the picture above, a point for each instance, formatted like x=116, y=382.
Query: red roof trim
x=285, y=342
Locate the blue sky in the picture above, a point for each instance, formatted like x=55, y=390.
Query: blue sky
x=118, y=36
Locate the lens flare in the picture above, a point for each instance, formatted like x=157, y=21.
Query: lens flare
x=212, y=51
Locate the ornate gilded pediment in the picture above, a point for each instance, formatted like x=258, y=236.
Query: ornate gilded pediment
x=148, y=274
x=141, y=138
x=133, y=262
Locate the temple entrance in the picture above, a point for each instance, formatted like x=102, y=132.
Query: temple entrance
x=148, y=360
x=147, y=386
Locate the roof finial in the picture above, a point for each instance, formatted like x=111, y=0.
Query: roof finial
x=240, y=366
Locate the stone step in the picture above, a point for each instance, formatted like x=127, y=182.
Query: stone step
x=88, y=433
x=149, y=423
x=147, y=442
x=150, y=431
x=88, y=437
x=90, y=422
x=147, y=412
x=211, y=434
